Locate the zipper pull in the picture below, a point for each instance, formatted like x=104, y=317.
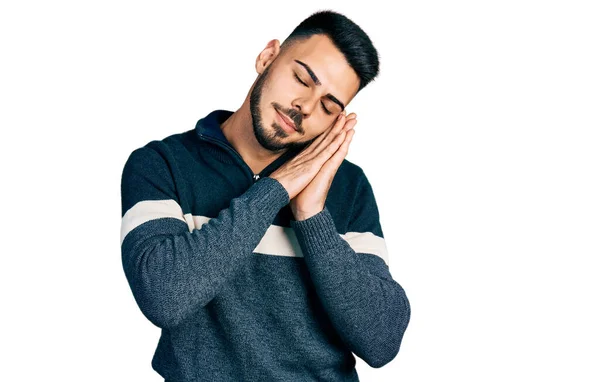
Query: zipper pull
x=256, y=176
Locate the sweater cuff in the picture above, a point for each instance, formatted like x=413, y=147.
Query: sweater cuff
x=268, y=196
x=318, y=233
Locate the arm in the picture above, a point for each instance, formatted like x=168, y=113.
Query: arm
x=369, y=310
x=172, y=269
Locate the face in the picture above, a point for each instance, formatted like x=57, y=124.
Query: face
x=310, y=83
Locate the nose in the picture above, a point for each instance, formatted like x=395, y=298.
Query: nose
x=304, y=106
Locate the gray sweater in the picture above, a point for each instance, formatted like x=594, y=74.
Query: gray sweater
x=241, y=290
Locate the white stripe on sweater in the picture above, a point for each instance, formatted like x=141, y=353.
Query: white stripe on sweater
x=278, y=240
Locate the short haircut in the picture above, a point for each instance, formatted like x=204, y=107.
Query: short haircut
x=347, y=36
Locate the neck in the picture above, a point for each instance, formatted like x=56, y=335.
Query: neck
x=239, y=132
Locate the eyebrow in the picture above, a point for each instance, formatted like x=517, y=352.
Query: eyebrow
x=318, y=83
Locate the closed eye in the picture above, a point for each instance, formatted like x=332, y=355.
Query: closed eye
x=299, y=80
x=322, y=104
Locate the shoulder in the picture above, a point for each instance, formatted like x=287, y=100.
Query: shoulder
x=146, y=154
x=350, y=174
x=354, y=183
x=158, y=150
x=346, y=185
x=348, y=168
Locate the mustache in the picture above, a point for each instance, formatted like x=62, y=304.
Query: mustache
x=292, y=113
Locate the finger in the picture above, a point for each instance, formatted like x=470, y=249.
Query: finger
x=330, y=134
x=343, y=150
x=328, y=151
x=338, y=157
x=326, y=138
x=339, y=124
x=350, y=124
x=344, y=146
x=315, y=143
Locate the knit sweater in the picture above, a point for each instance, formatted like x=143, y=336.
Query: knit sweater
x=240, y=289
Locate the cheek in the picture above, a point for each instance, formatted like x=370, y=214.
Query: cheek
x=280, y=90
x=312, y=132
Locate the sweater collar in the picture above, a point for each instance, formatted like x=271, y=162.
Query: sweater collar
x=210, y=125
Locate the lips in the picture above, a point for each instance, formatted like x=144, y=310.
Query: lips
x=287, y=120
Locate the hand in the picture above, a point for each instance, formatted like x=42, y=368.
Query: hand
x=311, y=200
x=297, y=173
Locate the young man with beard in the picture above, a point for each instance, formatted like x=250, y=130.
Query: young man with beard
x=250, y=240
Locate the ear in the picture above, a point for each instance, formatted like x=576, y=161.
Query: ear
x=267, y=56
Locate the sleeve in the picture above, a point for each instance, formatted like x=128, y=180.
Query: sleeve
x=173, y=269
x=369, y=310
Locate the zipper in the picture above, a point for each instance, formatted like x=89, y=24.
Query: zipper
x=249, y=171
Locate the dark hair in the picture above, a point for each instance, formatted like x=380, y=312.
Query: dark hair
x=348, y=37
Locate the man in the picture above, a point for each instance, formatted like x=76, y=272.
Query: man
x=250, y=240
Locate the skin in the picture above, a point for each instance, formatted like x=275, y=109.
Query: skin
x=255, y=131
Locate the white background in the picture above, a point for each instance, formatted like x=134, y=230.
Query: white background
x=480, y=138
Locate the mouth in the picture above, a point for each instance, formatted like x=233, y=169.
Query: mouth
x=287, y=120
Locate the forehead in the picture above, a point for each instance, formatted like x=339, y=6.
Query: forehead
x=329, y=64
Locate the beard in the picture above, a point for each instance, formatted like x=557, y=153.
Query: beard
x=270, y=141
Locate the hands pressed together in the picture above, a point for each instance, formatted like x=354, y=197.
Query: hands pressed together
x=308, y=176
